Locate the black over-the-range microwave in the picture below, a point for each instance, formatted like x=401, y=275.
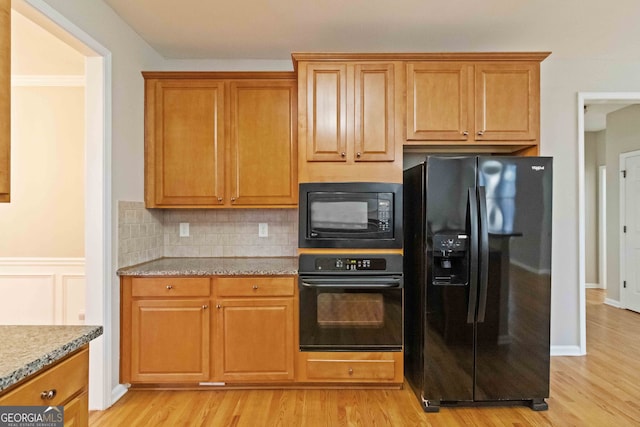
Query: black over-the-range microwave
x=350, y=215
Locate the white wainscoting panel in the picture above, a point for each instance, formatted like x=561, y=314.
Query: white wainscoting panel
x=42, y=291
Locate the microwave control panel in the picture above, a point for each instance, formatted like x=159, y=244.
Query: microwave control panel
x=384, y=213
x=350, y=264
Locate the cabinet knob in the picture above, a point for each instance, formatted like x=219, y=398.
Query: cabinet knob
x=480, y=132
x=204, y=307
x=48, y=394
x=233, y=199
x=465, y=133
x=255, y=287
x=358, y=154
x=218, y=306
x=169, y=287
x=343, y=154
x=220, y=199
x=350, y=371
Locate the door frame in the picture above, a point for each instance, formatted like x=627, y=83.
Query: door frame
x=623, y=205
x=583, y=99
x=97, y=195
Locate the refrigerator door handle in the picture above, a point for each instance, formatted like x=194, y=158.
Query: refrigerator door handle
x=472, y=223
x=483, y=253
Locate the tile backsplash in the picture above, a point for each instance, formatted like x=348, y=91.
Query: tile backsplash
x=140, y=233
x=212, y=233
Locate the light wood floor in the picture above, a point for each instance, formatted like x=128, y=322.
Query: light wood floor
x=601, y=389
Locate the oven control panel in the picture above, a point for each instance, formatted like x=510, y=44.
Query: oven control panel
x=350, y=264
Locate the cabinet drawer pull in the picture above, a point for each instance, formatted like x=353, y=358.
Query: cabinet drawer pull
x=255, y=287
x=233, y=199
x=204, y=307
x=343, y=154
x=350, y=371
x=480, y=132
x=48, y=394
x=169, y=287
x=465, y=133
x=358, y=154
x=220, y=199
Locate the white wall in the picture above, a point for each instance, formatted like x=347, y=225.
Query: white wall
x=591, y=207
x=561, y=80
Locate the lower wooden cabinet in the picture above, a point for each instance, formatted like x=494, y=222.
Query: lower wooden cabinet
x=66, y=383
x=351, y=367
x=181, y=330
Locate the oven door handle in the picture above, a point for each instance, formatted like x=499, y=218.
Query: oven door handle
x=352, y=283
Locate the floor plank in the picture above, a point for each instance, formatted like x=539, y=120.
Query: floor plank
x=600, y=389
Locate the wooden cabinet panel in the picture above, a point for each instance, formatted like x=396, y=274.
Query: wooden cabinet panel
x=170, y=287
x=326, y=133
x=349, y=119
x=474, y=102
x=220, y=139
x=255, y=339
x=254, y=286
x=374, y=107
x=507, y=101
x=76, y=413
x=439, y=102
x=5, y=100
x=263, y=143
x=188, y=141
x=170, y=340
x=345, y=367
x=68, y=378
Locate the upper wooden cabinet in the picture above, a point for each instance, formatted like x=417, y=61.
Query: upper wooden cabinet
x=474, y=100
x=220, y=140
x=5, y=100
x=349, y=118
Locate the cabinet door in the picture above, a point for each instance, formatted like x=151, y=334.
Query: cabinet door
x=374, y=112
x=5, y=99
x=326, y=112
x=507, y=101
x=76, y=411
x=439, y=101
x=170, y=340
x=263, y=144
x=188, y=141
x=254, y=339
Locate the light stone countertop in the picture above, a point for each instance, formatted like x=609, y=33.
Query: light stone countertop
x=27, y=349
x=258, y=266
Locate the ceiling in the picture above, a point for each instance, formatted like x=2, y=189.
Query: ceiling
x=272, y=29
x=595, y=115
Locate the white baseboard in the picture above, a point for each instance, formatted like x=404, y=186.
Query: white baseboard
x=117, y=392
x=613, y=303
x=566, y=350
x=593, y=286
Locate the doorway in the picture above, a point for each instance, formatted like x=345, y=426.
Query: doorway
x=585, y=98
x=97, y=196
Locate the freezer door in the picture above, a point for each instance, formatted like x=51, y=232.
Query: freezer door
x=512, y=356
x=448, y=346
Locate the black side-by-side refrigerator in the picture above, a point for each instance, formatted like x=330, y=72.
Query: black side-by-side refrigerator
x=477, y=266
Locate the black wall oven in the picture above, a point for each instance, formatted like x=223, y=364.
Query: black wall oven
x=350, y=303
x=350, y=215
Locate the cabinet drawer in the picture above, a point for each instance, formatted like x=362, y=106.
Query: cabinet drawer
x=170, y=287
x=254, y=286
x=350, y=369
x=67, y=379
